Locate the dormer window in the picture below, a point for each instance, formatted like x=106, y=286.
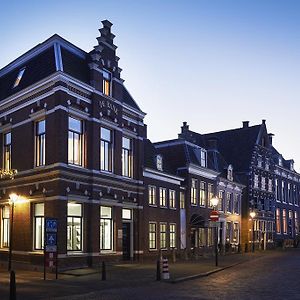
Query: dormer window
x=19, y=77
x=106, y=83
x=159, y=162
x=203, y=158
x=292, y=166
x=280, y=161
x=230, y=173
x=259, y=161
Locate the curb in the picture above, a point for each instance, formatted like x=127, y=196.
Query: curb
x=182, y=279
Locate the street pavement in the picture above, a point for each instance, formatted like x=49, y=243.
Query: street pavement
x=265, y=275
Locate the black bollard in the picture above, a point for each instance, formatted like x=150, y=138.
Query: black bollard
x=103, y=271
x=12, y=288
x=158, y=277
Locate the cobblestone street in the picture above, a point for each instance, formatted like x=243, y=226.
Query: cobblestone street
x=274, y=276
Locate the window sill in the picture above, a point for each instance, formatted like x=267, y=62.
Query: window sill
x=74, y=253
x=153, y=205
x=173, y=208
x=107, y=252
x=164, y=207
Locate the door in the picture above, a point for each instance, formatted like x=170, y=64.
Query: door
x=126, y=241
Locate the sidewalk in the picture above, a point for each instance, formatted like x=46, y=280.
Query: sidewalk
x=30, y=285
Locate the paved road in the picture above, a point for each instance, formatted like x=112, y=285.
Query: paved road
x=274, y=276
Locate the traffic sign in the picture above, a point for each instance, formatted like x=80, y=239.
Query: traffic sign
x=214, y=216
x=51, y=239
x=51, y=225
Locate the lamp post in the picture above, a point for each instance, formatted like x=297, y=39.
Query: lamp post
x=252, y=215
x=215, y=217
x=13, y=199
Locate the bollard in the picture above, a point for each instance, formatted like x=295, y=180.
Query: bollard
x=12, y=288
x=158, y=277
x=165, y=270
x=103, y=271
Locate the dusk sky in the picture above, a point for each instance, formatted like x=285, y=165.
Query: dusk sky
x=211, y=63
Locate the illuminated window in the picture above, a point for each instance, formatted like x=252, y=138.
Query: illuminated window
x=172, y=235
x=127, y=157
x=229, y=202
x=163, y=235
x=152, y=195
x=210, y=192
x=236, y=204
x=296, y=223
x=236, y=233
x=152, y=235
x=201, y=237
x=228, y=232
x=106, y=149
x=5, y=224
x=172, y=200
x=194, y=192
x=7, y=151
x=203, y=158
x=284, y=220
x=74, y=227
x=106, y=228
x=40, y=143
x=39, y=226
x=209, y=237
x=255, y=183
x=278, y=223
x=163, y=197
x=182, y=200
x=19, y=77
x=75, y=142
x=106, y=83
x=126, y=214
x=202, y=193
x=221, y=201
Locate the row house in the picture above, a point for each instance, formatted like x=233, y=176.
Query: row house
x=270, y=182
x=75, y=135
x=287, y=195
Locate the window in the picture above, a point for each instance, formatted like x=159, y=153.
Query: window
x=284, y=220
x=159, y=162
x=228, y=232
x=230, y=173
x=106, y=149
x=289, y=193
x=39, y=226
x=236, y=205
x=75, y=142
x=210, y=192
x=106, y=83
x=7, y=151
x=229, y=202
x=172, y=200
x=296, y=223
x=209, y=237
x=278, y=223
x=106, y=228
x=172, y=235
x=290, y=223
x=267, y=165
x=126, y=157
x=126, y=214
x=201, y=237
x=163, y=235
x=5, y=224
x=280, y=161
x=282, y=192
x=163, y=197
x=203, y=158
x=74, y=227
x=255, y=183
x=40, y=143
x=152, y=236
x=221, y=201
x=152, y=195
x=263, y=183
x=19, y=77
x=182, y=200
x=236, y=233
x=194, y=192
x=276, y=190
x=202, y=193
x=270, y=185
x=259, y=161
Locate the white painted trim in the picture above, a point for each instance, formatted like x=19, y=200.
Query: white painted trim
x=58, y=59
x=149, y=174
x=204, y=172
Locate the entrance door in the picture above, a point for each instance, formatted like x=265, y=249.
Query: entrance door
x=126, y=241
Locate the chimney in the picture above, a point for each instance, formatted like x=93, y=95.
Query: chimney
x=185, y=127
x=270, y=135
x=245, y=124
x=212, y=143
x=263, y=121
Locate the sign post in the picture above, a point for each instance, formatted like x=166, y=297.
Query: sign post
x=50, y=248
x=214, y=216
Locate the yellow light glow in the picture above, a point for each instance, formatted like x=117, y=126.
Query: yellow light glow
x=252, y=214
x=214, y=201
x=16, y=199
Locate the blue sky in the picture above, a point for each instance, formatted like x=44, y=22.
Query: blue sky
x=210, y=63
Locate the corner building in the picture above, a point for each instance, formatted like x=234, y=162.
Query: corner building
x=75, y=135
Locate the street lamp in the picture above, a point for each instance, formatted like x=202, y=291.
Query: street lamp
x=252, y=215
x=13, y=199
x=215, y=217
